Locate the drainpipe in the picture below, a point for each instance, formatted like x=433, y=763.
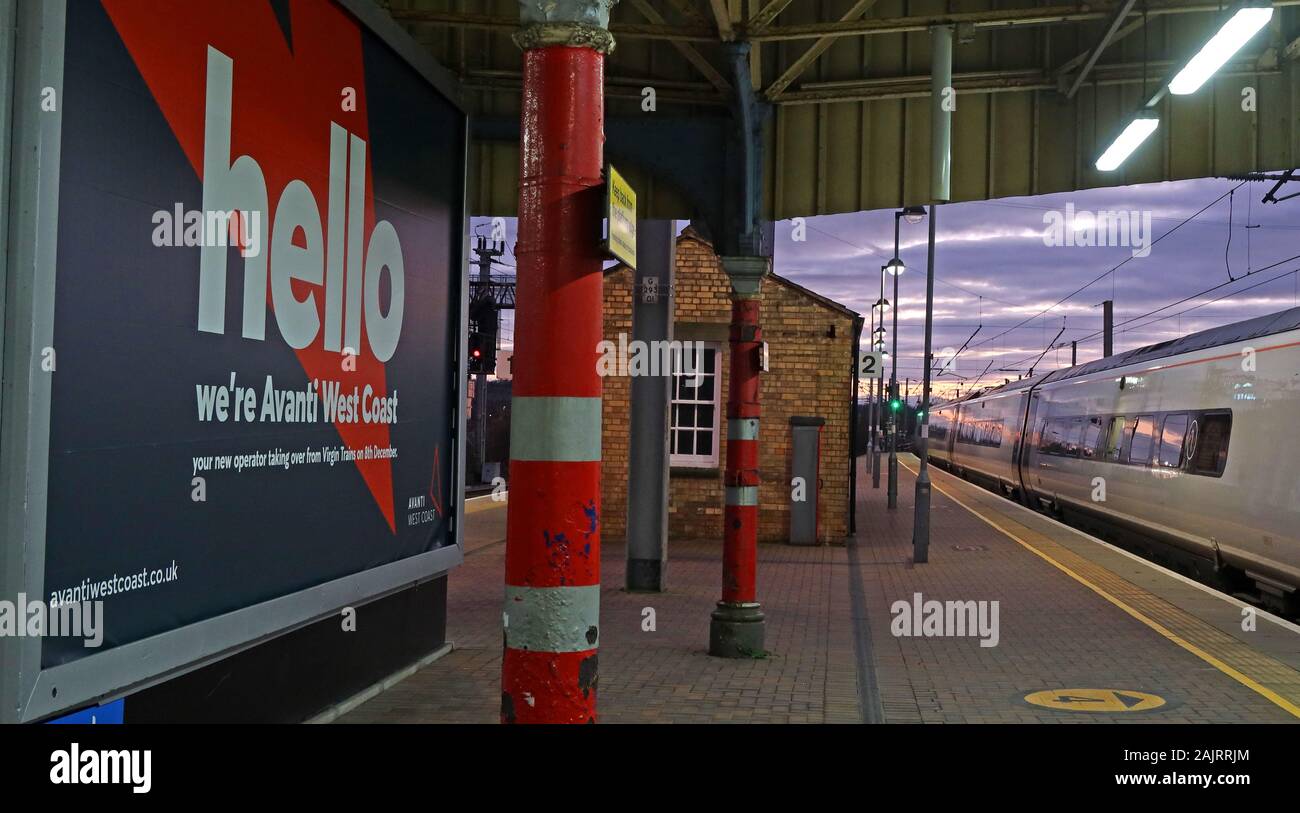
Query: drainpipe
x=552, y=571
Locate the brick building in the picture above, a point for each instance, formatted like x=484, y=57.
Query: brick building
x=810, y=342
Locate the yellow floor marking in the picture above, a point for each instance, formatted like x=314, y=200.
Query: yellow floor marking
x=1223, y=667
x=474, y=506
x=1105, y=700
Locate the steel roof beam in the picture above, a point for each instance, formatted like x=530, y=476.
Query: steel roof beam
x=687, y=50
x=993, y=18
x=811, y=55
x=1115, y=22
x=766, y=15
x=996, y=18
x=726, y=32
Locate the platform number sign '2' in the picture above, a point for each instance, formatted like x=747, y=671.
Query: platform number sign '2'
x=870, y=363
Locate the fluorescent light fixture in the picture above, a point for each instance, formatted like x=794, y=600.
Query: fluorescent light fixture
x=1235, y=33
x=1129, y=140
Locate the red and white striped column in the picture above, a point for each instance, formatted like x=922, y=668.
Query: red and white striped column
x=552, y=581
x=737, y=626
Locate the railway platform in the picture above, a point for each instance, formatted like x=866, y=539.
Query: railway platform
x=1016, y=618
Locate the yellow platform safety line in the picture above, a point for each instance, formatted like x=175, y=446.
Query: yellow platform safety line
x=1237, y=675
x=474, y=505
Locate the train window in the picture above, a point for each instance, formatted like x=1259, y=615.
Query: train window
x=1171, y=441
x=1092, y=437
x=1115, y=439
x=1210, y=454
x=1075, y=426
x=1139, y=450
x=1053, y=437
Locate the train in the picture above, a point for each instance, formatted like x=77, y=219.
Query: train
x=1185, y=451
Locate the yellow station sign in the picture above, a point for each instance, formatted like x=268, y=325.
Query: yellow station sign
x=621, y=211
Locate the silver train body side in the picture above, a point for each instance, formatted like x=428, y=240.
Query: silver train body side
x=1191, y=444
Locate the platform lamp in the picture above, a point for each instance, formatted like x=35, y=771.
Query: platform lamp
x=878, y=343
x=895, y=268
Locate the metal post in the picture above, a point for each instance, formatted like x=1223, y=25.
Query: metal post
x=940, y=168
x=648, y=453
x=1074, y=353
x=737, y=627
x=480, y=381
x=1108, y=328
x=921, y=511
x=879, y=343
x=871, y=415
x=552, y=567
x=892, y=496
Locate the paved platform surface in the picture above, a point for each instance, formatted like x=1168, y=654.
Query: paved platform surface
x=1085, y=625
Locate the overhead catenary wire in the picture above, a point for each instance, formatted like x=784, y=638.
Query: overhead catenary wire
x=1111, y=270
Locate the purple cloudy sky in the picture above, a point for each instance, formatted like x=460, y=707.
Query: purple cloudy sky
x=998, y=250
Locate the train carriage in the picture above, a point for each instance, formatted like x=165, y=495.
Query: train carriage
x=1184, y=448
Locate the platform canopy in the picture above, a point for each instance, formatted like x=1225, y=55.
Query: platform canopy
x=1042, y=88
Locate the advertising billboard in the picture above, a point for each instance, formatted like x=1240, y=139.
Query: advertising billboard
x=249, y=289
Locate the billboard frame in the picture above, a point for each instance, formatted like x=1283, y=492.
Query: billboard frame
x=29, y=62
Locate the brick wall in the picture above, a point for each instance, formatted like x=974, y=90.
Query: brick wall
x=810, y=374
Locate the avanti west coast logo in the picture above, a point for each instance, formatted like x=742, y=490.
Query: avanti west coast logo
x=73, y=766
x=921, y=618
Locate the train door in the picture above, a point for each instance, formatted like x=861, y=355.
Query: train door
x=1025, y=449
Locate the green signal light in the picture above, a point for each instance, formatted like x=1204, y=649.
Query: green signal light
x=895, y=404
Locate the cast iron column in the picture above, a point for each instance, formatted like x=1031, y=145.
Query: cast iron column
x=552, y=568
x=736, y=630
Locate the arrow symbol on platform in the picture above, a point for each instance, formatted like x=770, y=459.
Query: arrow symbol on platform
x=1069, y=698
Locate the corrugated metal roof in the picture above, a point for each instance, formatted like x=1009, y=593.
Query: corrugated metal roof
x=852, y=121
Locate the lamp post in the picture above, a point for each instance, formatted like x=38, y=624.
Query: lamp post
x=895, y=267
x=871, y=409
x=878, y=343
x=940, y=176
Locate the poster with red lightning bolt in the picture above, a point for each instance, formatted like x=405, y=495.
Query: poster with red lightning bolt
x=257, y=301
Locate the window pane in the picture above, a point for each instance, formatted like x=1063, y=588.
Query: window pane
x=1091, y=437
x=1143, y=436
x=704, y=417
x=1072, y=439
x=1115, y=438
x=1051, y=441
x=710, y=361
x=1211, y=453
x=704, y=442
x=1171, y=441
x=705, y=390
x=684, y=442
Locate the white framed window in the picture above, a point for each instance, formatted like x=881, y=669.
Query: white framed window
x=693, y=417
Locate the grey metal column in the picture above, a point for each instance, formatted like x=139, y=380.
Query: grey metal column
x=647, y=465
x=940, y=171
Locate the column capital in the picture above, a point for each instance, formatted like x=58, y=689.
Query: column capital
x=746, y=274
x=574, y=23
